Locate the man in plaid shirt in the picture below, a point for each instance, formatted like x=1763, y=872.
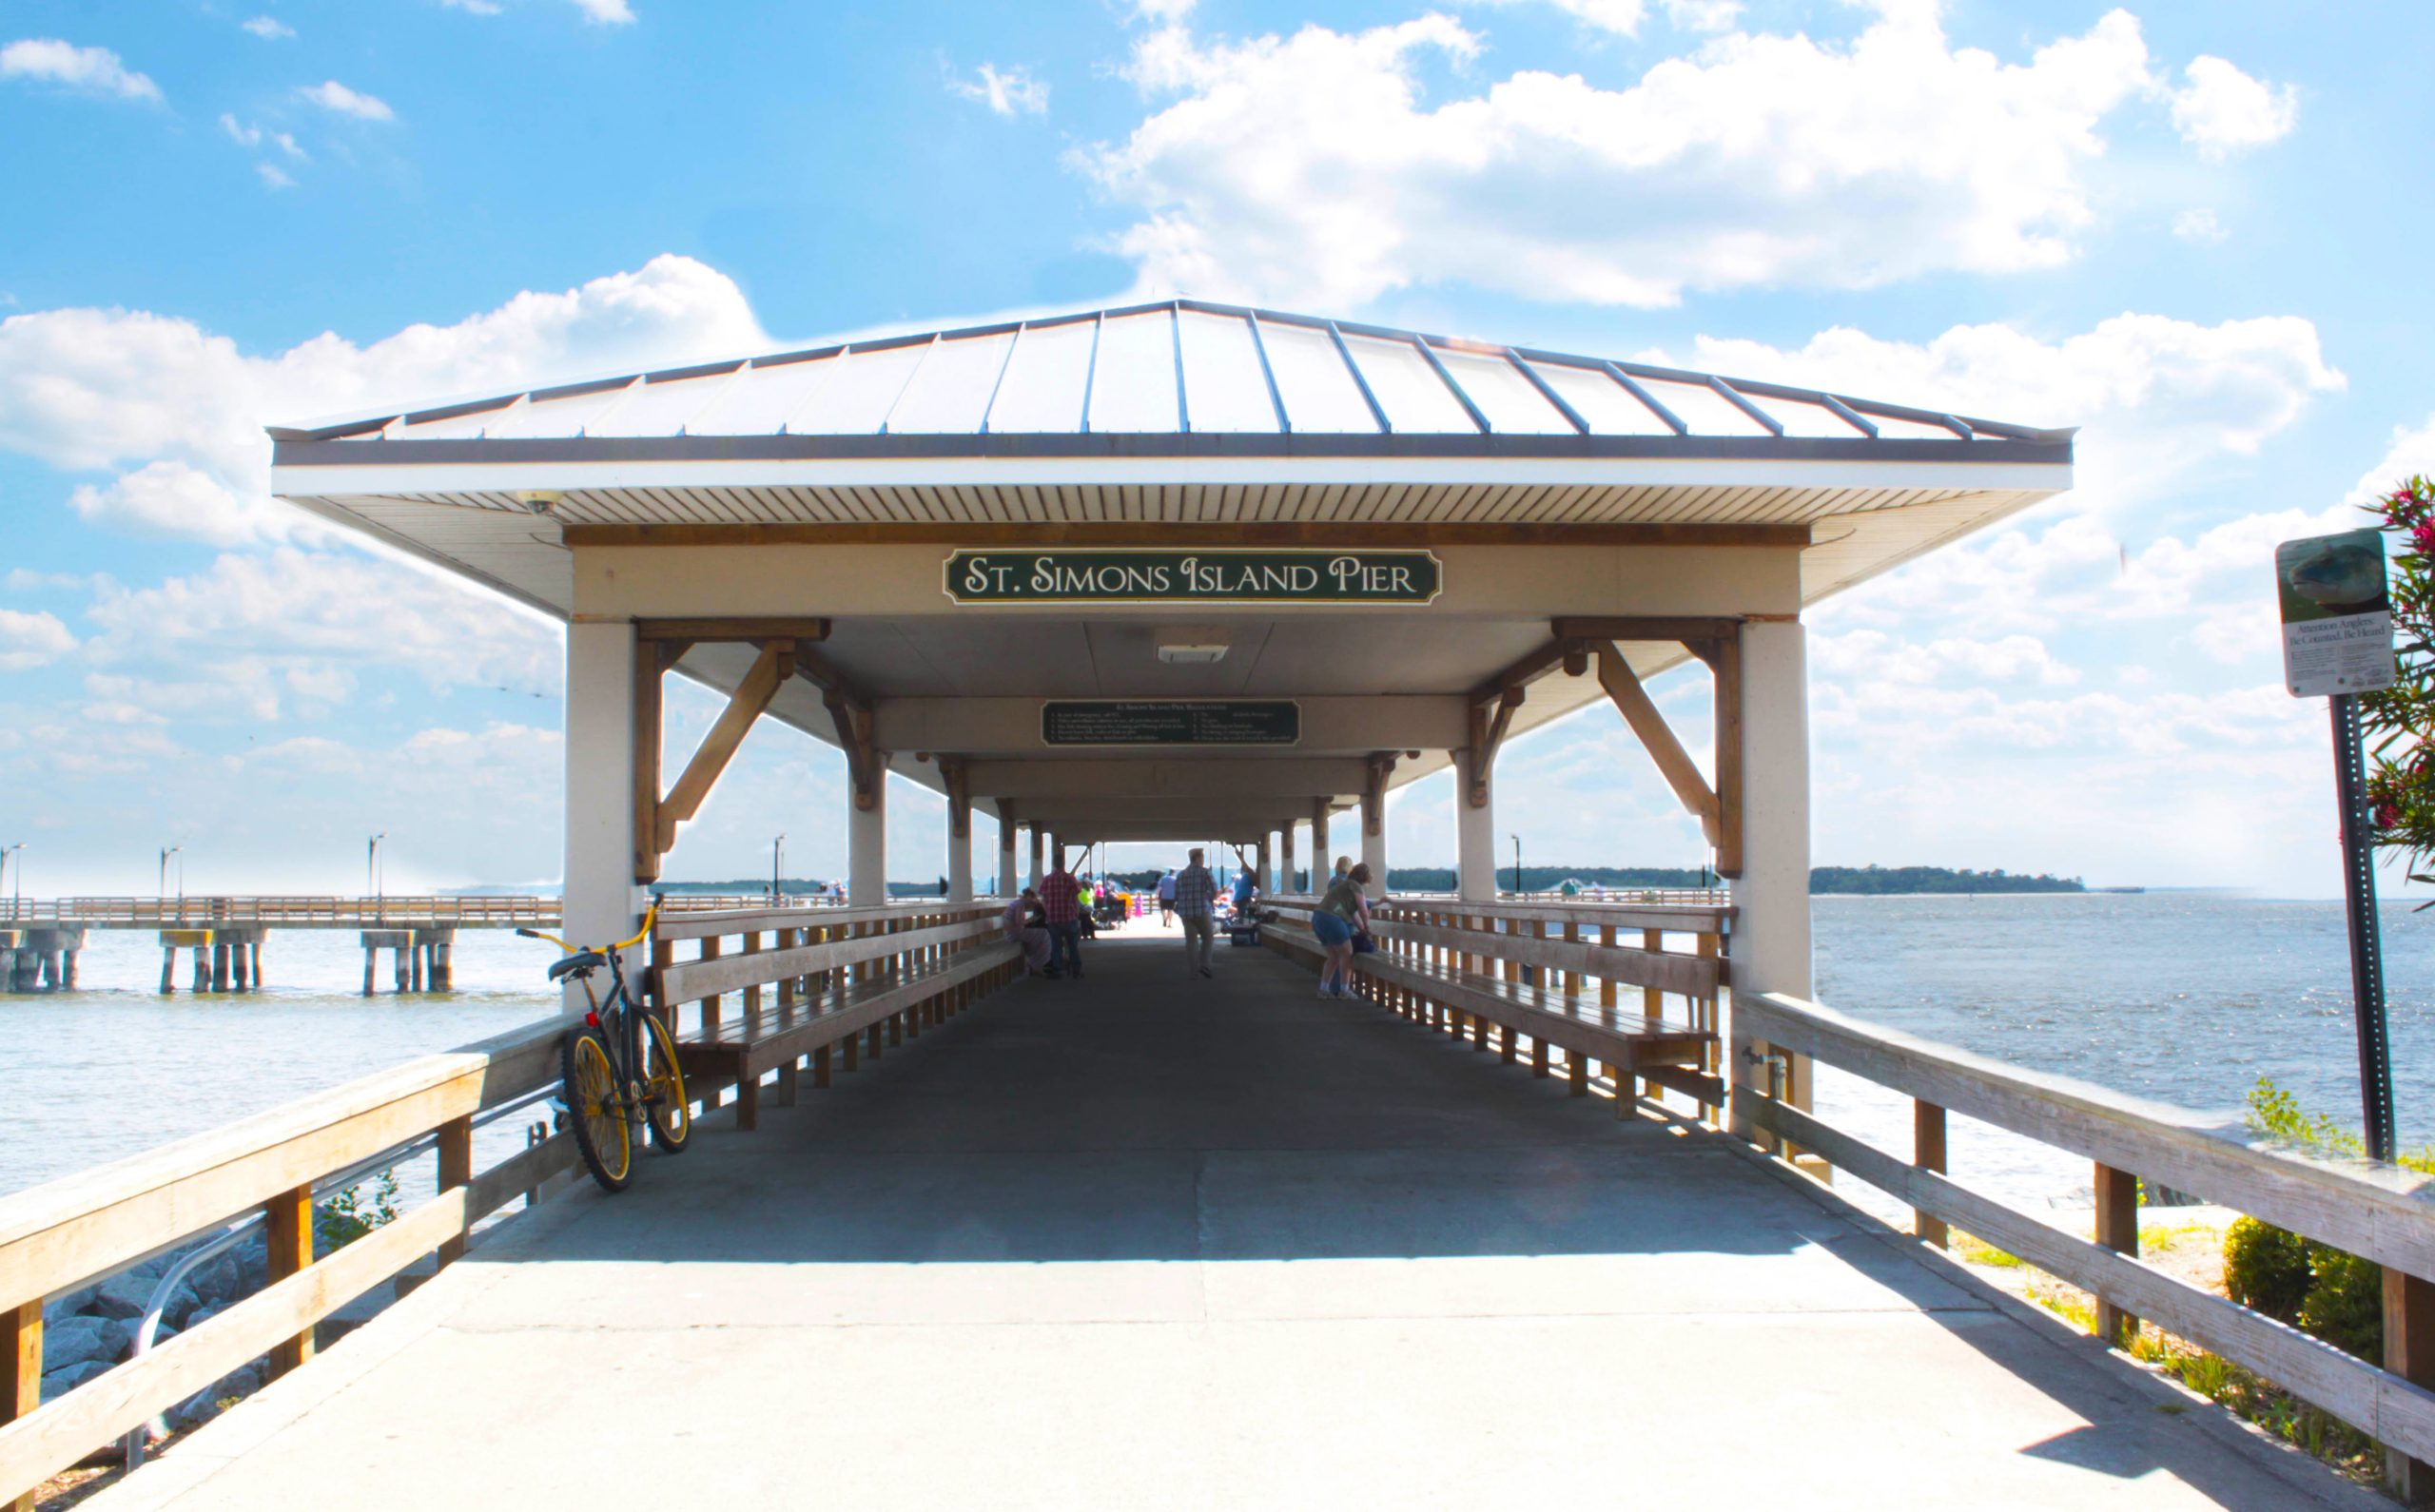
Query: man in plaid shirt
x=1195, y=904
x=1060, y=908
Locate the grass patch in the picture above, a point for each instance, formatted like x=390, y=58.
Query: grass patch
x=2240, y=1391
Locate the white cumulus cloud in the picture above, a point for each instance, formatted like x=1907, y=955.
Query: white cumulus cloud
x=270, y=28
x=1007, y=91
x=2158, y=399
x=1309, y=167
x=340, y=100
x=85, y=388
x=94, y=70
x=2222, y=110
x=31, y=639
x=606, y=13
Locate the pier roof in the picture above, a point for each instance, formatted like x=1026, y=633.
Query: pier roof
x=1180, y=424
x=1181, y=411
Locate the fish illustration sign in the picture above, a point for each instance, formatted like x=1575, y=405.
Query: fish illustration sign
x=2337, y=621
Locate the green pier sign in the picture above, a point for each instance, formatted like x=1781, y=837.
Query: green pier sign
x=1171, y=722
x=1243, y=575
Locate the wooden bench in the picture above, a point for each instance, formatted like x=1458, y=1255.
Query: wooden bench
x=1631, y=1042
x=852, y=995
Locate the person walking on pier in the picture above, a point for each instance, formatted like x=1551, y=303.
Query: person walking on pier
x=1061, y=905
x=1167, y=898
x=1342, y=914
x=1195, y=904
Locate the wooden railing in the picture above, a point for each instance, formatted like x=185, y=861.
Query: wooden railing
x=1633, y=985
x=336, y=911
x=57, y=1237
x=2382, y=1213
x=770, y=992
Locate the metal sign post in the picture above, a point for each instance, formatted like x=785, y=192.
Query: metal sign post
x=2367, y=949
x=2337, y=641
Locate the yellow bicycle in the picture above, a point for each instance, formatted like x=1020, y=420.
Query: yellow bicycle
x=620, y=1067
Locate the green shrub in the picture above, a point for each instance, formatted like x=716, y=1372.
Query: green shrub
x=2267, y=1269
x=2346, y=1302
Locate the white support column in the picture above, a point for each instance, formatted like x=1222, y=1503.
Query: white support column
x=1771, y=949
x=1008, y=882
x=1260, y=873
x=867, y=848
x=600, y=892
x=1285, y=857
x=1474, y=837
x=959, y=857
x=1037, y=870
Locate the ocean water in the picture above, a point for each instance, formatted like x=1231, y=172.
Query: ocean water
x=2184, y=998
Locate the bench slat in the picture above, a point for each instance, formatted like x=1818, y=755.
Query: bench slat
x=770, y=1043
x=688, y=980
x=1590, y=1028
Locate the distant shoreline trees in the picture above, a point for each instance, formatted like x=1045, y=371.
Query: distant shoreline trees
x=1823, y=880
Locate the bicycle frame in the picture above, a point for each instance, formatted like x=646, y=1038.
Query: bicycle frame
x=616, y=1016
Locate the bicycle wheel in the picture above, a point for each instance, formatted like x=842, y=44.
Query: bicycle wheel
x=664, y=1105
x=598, y=1109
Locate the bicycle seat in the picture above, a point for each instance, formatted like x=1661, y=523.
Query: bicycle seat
x=582, y=963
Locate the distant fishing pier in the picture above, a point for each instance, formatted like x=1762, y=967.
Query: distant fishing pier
x=1540, y=1214
x=39, y=942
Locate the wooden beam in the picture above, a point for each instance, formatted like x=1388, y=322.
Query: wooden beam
x=957, y=776
x=651, y=666
x=817, y=670
x=1632, y=701
x=752, y=697
x=1246, y=533
x=21, y=1374
x=1488, y=735
x=1638, y=627
x=863, y=767
x=1725, y=661
x=1381, y=765
x=1547, y=659
x=783, y=629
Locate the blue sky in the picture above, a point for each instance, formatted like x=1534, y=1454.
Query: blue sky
x=2173, y=227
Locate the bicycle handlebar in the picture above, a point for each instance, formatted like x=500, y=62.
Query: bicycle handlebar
x=649, y=920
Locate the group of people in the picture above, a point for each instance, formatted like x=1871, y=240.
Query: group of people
x=1051, y=919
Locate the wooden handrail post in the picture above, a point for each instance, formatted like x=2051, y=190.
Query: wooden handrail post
x=21, y=1375
x=455, y=1170
x=1927, y=1154
x=2409, y=1353
x=2117, y=1228
x=287, y=1221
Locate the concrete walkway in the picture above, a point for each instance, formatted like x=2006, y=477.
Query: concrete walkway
x=1139, y=1241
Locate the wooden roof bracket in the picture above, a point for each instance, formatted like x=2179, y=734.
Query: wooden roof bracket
x=752, y=698
x=1375, y=771
x=1632, y=701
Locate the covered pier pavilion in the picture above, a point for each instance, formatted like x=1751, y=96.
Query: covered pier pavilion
x=1523, y=1223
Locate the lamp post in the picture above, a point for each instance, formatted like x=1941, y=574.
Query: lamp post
x=372, y=871
x=777, y=866
x=168, y=851
x=1517, y=864
x=17, y=901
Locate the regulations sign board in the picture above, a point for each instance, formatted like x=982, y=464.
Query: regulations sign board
x=1171, y=722
x=1146, y=575
x=2337, y=619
